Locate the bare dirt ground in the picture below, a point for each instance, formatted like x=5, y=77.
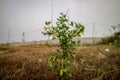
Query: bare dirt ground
x=99, y=62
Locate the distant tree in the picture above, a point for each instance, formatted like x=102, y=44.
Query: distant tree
x=114, y=38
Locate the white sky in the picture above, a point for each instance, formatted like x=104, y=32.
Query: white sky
x=29, y=16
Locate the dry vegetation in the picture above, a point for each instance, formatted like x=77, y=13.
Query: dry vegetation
x=30, y=62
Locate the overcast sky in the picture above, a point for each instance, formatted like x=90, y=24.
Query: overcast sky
x=28, y=16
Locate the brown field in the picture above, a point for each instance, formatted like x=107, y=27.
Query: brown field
x=30, y=63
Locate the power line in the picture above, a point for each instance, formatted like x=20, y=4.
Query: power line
x=88, y=24
x=94, y=25
x=33, y=30
x=26, y=32
x=104, y=24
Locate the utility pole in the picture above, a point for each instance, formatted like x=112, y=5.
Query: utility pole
x=93, y=33
x=23, y=37
x=52, y=13
x=8, y=36
x=51, y=19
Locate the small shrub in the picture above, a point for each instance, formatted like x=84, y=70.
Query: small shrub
x=64, y=31
x=113, y=39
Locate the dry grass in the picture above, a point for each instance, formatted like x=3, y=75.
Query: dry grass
x=30, y=62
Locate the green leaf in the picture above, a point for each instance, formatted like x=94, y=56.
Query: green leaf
x=47, y=22
x=71, y=23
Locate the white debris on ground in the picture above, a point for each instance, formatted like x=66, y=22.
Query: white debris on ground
x=107, y=50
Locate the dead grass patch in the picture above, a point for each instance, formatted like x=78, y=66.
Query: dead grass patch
x=30, y=62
